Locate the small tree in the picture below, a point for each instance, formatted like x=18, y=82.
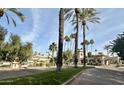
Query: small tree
x=25, y=52
x=12, y=49
x=68, y=57
x=14, y=46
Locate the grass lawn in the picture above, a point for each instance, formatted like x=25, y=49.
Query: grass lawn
x=45, y=78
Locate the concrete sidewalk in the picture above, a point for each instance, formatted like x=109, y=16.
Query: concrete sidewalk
x=100, y=76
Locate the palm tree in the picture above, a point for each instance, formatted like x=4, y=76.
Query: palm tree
x=87, y=15
x=108, y=48
x=96, y=51
x=73, y=13
x=61, y=38
x=86, y=44
x=67, y=39
x=6, y=12
x=91, y=42
x=53, y=48
x=73, y=36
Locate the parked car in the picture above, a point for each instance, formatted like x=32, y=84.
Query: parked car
x=24, y=65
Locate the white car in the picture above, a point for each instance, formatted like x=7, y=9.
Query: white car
x=24, y=65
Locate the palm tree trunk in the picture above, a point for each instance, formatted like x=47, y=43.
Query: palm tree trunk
x=84, y=47
x=91, y=48
x=65, y=46
x=73, y=49
x=76, y=40
x=61, y=37
x=73, y=46
x=87, y=49
x=52, y=54
x=70, y=45
x=107, y=52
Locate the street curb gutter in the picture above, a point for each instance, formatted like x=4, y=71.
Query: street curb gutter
x=68, y=81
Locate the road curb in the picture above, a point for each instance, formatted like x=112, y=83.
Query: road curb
x=68, y=81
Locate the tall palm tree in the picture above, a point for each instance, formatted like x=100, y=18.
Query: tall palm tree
x=91, y=42
x=53, y=48
x=73, y=36
x=61, y=38
x=73, y=13
x=87, y=15
x=96, y=51
x=67, y=39
x=6, y=12
x=87, y=44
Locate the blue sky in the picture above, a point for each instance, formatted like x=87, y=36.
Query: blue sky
x=41, y=27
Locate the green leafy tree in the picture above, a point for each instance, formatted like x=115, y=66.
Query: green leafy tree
x=25, y=52
x=117, y=46
x=108, y=49
x=12, y=49
x=6, y=50
x=14, y=46
x=7, y=13
x=3, y=33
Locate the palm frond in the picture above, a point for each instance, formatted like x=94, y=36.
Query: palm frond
x=89, y=15
x=19, y=14
x=13, y=21
x=87, y=27
x=7, y=18
x=75, y=27
x=69, y=15
x=67, y=10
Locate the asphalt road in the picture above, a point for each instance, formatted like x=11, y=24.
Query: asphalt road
x=4, y=74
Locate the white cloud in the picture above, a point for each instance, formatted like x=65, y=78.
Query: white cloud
x=36, y=29
x=45, y=24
